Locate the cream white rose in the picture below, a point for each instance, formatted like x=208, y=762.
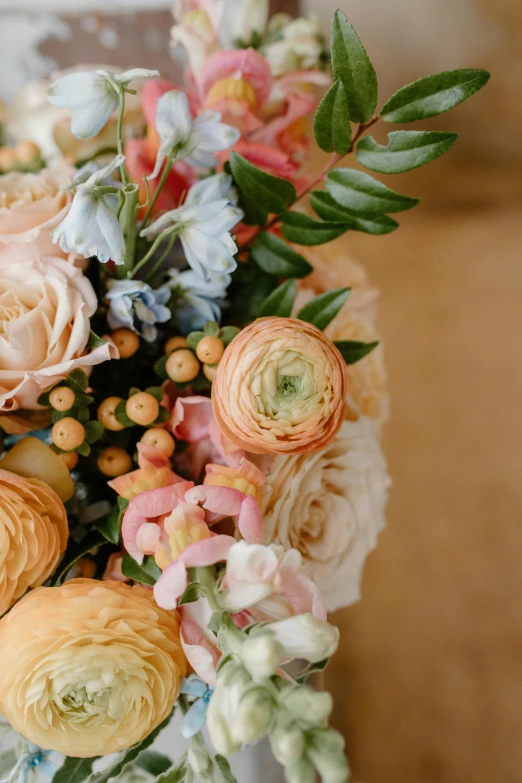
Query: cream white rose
x=330, y=506
x=45, y=307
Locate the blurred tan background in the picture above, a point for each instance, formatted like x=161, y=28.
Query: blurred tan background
x=428, y=680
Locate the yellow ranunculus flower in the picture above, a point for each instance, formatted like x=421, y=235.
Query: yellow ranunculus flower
x=89, y=668
x=33, y=534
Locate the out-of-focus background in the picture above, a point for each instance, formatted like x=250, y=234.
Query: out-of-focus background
x=427, y=682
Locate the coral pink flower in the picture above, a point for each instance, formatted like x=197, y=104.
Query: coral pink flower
x=154, y=472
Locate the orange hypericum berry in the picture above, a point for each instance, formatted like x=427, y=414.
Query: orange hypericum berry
x=27, y=152
x=7, y=158
x=106, y=414
x=209, y=371
x=62, y=398
x=175, y=342
x=182, y=366
x=210, y=350
x=68, y=434
x=142, y=408
x=70, y=458
x=160, y=439
x=126, y=341
x=114, y=461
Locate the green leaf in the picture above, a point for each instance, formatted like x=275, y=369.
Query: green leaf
x=127, y=757
x=332, y=128
x=352, y=350
x=175, y=773
x=93, y=431
x=323, y=309
x=74, y=552
x=360, y=192
x=162, y=416
x=214, y=624
x=147, y=573
x=83, y=400
x=211, y=329
x=110, y=526
x=159, y=367
x=77, y=378
x=121, y=415
x=225, y=772
x=94, y=341
x=227, y=334
x=156, y=391
x=193, y=592
x=328, y=209
x=280, y=301
x=83, y=449
x=406, y=150
x=74, y=770
x=351, y=64
x=194, y=338
x=153, y=763
x=276, y=258
x=268, y=193
x=304, y=230
x=433, y=95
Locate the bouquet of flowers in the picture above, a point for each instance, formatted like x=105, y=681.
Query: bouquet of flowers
x=191, y=396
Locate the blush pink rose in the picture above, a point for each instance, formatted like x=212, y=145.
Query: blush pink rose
x=45, y=307
x=31, y=206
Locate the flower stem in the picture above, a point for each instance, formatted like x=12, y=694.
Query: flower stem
x=128, y=220
x=157, y=266
x=206, y=579
x=119, y=139
x=148, y=255
x=334, y=160
x=164, y=175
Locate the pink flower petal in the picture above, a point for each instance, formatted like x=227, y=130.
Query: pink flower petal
x=224, y=501
x=244, y=64
x=191, y=418
x=250, y=522
x=147, y=538
x=304, y=597
x=170, y=585
x=201, y=654
x=207, y=552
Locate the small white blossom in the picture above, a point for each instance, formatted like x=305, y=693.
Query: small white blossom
x=92, y=97
x=306, y=636
x=241, y=20
x=204, y=226
x=194, y=141
x=91, y=227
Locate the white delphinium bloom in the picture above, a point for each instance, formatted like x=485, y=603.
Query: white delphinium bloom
x=92, y=97
x=193, y=140
x=203, y=225
x=197, y=300
x=91, y=227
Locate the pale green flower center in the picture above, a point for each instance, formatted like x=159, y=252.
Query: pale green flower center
x=286, y=387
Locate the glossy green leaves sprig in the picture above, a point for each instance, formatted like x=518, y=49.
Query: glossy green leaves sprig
x=352, y=199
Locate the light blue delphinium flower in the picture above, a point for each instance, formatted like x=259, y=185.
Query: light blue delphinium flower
x=137, y=306
x=203, y=225
x=92, y=97
x=91, y=227
x=194, y=719
x=197, y=300
x=31, y=759
x=193, y=140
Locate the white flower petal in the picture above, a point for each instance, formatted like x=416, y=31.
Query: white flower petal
x=77, y=89
x=207, y=251
x=173, y=119
x=88, y=120
x=112, y=232
x=134, y=73
x=221, y=223
x=101, y=173
x=211, y=188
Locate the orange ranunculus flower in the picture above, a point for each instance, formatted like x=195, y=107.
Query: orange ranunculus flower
x=33, y=534
x=89, y=668
x=280, y=387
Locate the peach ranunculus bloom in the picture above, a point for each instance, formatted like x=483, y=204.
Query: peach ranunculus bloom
x=33, y=534
x=368, y=378
x=89, y=668
x=280, y=387
x=330, y=506
x=45, y=307
x=31, y=206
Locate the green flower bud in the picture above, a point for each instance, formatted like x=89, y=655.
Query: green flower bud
x=262, y=655
x=200, y=762
x=325, y=750
x=286, y=740
x=301, y=771
x=309, y=707
x=254, y=716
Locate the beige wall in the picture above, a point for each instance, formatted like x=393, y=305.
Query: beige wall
x=428, y=679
